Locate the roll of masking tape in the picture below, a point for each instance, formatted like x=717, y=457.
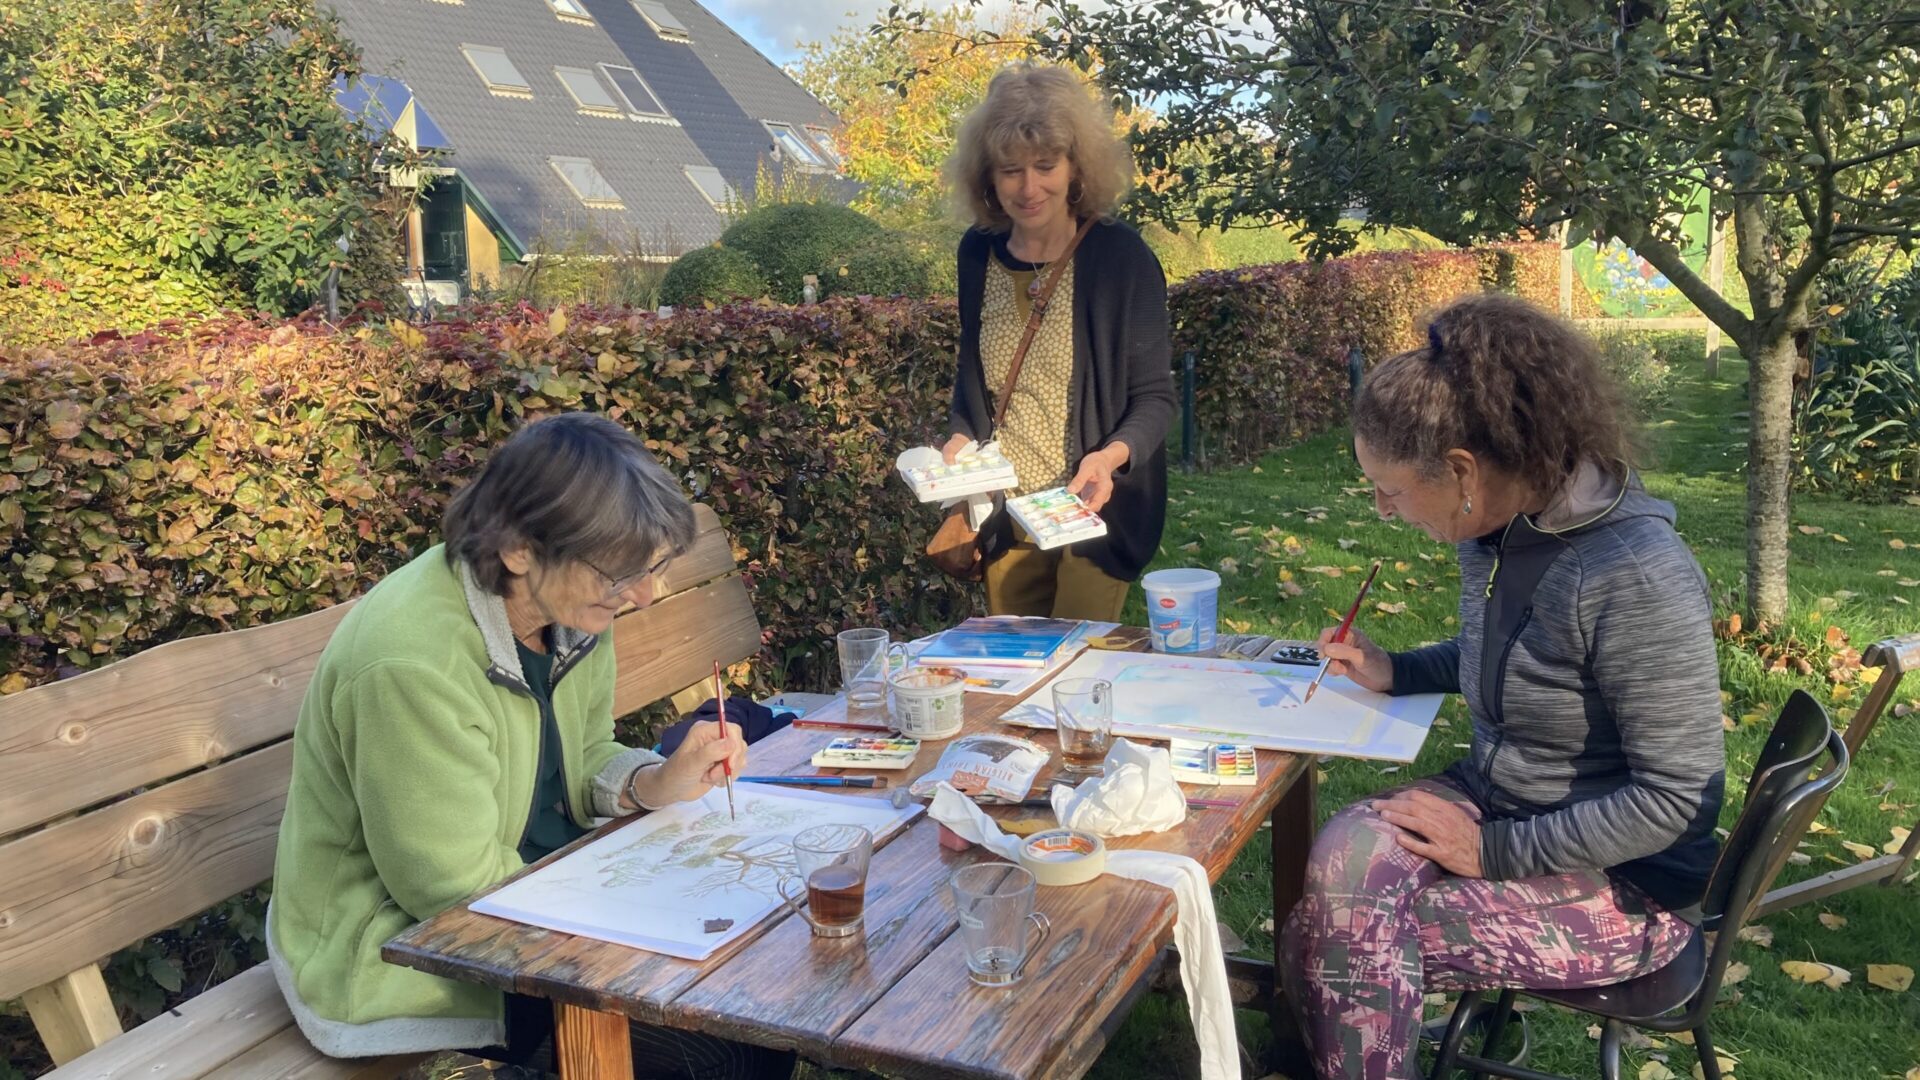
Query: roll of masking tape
x=1063, y=857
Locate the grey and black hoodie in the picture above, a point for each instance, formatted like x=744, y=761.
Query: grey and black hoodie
x=1586, y=657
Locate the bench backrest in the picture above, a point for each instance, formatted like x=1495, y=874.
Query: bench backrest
x=138, y=795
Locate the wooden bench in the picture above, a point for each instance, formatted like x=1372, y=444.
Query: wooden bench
x=139, y=795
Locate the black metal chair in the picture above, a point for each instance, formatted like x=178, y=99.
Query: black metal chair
x=1680, y=996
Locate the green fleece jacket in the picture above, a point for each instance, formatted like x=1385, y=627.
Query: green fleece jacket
x=414, y=764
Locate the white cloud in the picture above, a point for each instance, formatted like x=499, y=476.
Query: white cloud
x=779, y=27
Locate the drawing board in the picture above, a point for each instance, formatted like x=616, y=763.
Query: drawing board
x=663, y=881
x=1162, y=696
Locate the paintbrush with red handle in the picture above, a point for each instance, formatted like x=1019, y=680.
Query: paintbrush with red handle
x=1340, y=635
x=726, y=767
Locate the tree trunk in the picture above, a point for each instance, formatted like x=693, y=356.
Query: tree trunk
x=1769, y=474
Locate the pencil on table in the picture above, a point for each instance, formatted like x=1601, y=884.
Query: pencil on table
x=1340, y=635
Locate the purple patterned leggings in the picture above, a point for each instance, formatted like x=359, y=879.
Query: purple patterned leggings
x=1380, y=927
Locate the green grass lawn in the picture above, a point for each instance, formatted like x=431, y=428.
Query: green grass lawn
x=1240, y=522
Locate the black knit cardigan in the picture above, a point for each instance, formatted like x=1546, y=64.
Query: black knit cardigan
x=1122, y=383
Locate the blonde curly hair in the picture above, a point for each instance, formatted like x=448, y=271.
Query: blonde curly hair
x=1039, y=109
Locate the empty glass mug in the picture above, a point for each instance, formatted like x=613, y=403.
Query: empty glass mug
x=830, y=862
x=999, y=930
x=863, y=669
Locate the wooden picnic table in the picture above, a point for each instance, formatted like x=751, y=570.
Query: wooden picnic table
x=896, y=999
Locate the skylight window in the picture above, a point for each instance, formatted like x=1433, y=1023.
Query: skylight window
x=640, y=98
x=570, y=9
x=794, y=148
x=712, y=185
x=587, y=183
x=588, y=93
x=823, y=141
x=664, y=22
x=497, y=71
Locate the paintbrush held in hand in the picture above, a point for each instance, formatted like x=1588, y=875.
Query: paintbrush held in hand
x=726, y=766
x=1340, y=635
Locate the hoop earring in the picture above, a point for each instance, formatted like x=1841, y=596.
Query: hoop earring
x=1075, y=192
x=991, y=198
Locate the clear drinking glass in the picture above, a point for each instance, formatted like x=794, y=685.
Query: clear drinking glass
x=999, y=930
x=863, y=669
x=1083, y=716
x=831, y=861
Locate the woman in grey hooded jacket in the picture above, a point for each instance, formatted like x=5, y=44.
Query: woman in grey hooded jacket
x=1569, y=846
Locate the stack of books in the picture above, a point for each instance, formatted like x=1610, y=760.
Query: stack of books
x=1005, y=641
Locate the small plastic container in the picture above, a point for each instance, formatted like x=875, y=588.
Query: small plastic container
x=1182, y=607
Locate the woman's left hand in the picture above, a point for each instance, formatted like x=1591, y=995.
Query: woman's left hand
x=1094, y=480
x=1432, y=827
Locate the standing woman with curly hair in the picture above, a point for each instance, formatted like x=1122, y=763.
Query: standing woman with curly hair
x=1088, y=400
x=1571, y=846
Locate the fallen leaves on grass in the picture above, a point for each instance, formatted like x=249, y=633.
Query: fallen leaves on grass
x=1292, y=546
x=1894, y=977
x=1727, y=1065
x=1831, y=921
x=1811, y=530
x=1392, y=609
x=1815, y=973
x=1757, y=935
x=1324, y=571
x=1900, y=834
x=1654, y=1070
x=1863, y=852
x=1737, y=973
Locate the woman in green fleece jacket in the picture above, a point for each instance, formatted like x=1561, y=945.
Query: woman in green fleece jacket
x=459, y=726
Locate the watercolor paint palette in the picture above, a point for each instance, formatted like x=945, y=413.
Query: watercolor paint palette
x=1197, y=762
x=974, y=472
x=1055, y=517
x=869, y=753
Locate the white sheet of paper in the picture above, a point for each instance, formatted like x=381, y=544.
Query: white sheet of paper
x=1162, y=696
x=654, y=884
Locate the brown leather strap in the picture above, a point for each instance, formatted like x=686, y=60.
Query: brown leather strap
x=1039, y=311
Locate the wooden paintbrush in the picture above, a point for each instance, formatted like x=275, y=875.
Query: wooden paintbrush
x=726, y=767
x=1340, y=635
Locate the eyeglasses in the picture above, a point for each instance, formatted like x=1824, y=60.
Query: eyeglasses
x=616, y=586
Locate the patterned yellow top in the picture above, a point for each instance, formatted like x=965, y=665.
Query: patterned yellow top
x=1034, y=436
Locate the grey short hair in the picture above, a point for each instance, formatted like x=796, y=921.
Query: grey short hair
x=575, y=487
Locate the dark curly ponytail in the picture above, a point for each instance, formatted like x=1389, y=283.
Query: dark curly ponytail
x=1517, y=387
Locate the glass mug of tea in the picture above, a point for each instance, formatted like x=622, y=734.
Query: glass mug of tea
x=999, y=930
x=1083, y=717
x=830, y=863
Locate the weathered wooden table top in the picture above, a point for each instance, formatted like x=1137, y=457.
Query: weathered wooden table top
x=896, y=999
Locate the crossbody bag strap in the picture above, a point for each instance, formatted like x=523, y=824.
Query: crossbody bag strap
x=1038, y=312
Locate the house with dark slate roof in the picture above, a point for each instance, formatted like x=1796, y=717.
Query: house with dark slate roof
x=630, y=121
